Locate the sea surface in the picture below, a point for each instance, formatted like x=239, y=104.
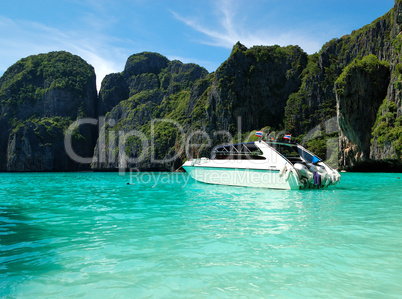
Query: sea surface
x=92, y=235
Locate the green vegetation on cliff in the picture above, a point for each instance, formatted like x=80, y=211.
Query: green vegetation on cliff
x=40, y=96
x=370, y=65
x=315, y=102
x=157, y=89
x=31, y=78
x=388, y=128
x=254, y=84
x=360, y=90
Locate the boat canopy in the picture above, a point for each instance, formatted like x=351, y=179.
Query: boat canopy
x=238, y=151
x=249, y=150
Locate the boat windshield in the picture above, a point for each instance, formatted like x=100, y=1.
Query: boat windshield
x=294, y=153
x=307, y=156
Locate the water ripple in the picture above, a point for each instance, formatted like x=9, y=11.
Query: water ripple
x=91, y=234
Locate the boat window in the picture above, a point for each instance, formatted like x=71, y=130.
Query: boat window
x=295, y=153
x=238, y=151
x=289, y=151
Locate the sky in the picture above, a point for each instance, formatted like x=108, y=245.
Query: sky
x=106, y=32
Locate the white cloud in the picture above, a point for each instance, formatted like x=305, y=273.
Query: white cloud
x=232, y=28
x=24, y=38
x=217, y=38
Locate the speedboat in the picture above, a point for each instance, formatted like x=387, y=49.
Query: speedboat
x=276, y=165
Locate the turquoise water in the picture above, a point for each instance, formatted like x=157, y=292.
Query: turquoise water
x=167, y=236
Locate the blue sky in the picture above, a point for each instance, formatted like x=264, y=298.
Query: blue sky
x=106, y=32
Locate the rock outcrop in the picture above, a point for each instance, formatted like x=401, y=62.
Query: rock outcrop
x=41, y=95
x=360, y=90
x=254, y=84
x=150, y=88
x=38, y=146
x=315, y=102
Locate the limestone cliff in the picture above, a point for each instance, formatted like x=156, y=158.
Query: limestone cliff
x=360, y=91
x=387, y=131
x=254, y=84
x=40, y=96
x=150, y=88
x=315, y=102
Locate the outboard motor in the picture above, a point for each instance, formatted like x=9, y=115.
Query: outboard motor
x=325, y=179
x=316, y=168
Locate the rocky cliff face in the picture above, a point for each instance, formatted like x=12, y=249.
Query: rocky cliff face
x=387, y=131
x=316, y=100
x=151, y=88
x=38, y=147
x=383, y=117
x=360, y=91
x=254, y=84
x=40, y=96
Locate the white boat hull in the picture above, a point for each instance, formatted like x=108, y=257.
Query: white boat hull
x=242, y=177
x=257, y=164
